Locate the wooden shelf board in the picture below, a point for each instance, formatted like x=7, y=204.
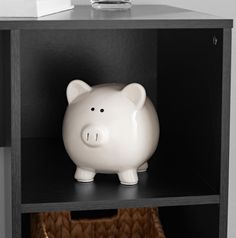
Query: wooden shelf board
x=114, y=204
x=139, y=16
x=48, y=184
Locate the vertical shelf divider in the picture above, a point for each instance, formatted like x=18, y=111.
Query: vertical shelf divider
x=15, y=133
x=225, y=132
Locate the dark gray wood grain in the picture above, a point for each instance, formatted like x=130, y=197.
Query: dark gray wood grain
x=2, y=130
x=113, y=204
x=144, y=16
x=15, y=133
x=8, y=192
x=5, y=107
x=7, y=87
x=225, y=132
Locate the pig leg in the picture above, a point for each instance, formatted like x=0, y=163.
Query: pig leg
x=143, y=167
x=84, y=175
x=128, y=177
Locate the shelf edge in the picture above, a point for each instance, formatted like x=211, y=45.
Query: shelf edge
x=116, y=24
x=111, y=204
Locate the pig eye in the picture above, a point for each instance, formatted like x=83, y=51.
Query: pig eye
x=92, y=109
x=102, y=110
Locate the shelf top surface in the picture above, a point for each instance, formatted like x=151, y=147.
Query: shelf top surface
x=139, y=16
x=48, y=184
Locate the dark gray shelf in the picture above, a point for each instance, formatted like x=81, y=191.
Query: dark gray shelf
x=182, y=57
x=113, y=204
x=144, y=16
x=48, y=184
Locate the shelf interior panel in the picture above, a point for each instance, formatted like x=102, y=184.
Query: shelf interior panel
x=190, y=221
x=48, y=183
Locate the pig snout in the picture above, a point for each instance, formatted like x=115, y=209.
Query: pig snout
x=94, y=136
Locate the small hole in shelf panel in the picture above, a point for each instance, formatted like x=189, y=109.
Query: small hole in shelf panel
x=92, y=215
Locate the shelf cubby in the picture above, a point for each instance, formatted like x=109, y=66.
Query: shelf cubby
x=190, y=124
x=177, y=221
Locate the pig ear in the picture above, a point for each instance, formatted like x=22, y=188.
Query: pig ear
x=75, y=89
x=135, y=93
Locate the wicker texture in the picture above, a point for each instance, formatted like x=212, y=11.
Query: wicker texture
x=129, y=223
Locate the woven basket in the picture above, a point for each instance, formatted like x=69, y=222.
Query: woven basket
x=128, y=223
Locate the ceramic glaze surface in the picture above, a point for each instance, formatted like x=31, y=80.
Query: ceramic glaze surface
x=109, y=128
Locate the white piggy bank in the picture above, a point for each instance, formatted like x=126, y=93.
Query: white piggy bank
x=109, y=128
